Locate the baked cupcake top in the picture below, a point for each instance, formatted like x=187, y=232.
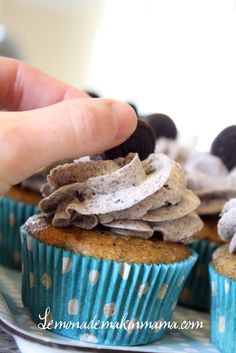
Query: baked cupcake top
x=102, y=243
x=20, y=195
x=224, y=262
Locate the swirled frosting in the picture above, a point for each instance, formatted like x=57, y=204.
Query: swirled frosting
x=227, y=224
x=209, y=178
x=129, y=196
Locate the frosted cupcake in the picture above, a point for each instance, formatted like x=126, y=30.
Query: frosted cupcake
x=16, y=206
x=108, y=245
x=209, y=178
x=212, y=176
x=223, y=283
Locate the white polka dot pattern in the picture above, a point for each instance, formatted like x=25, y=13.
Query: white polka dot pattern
x=109, y=309
x=227, y=287
x=12, y=219
x=73, y=307
x=93, y=277
x=46, y=281
x=88, y=338
x=162, y=291
x=29, y=243
x=143, y=288
x=131, y=325
x=66, y=264
x=31, y=280
x=221, y=324
x=125, y=270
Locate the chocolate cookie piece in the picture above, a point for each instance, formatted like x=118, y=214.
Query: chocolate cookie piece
x=224, y=146
x=92, y=94
x=142, y=141
x=162, y=125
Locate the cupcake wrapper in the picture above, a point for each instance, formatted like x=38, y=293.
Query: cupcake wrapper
x=12, y=215
x=80, y=288
x=223, y=314
x=196, y=290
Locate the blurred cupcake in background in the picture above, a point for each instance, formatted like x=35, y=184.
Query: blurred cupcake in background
x=215, y=183
x=223, y=283
x=16, y=206
x=108, y=243
x=167, y=138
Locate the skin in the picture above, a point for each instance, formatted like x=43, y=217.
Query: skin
x=43, y=120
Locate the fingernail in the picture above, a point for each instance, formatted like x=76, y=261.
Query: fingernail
x=126, y=119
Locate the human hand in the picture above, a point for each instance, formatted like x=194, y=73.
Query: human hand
x=43, y=120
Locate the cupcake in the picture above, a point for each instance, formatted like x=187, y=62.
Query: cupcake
x=223, y=283
x=106, y=249
x=16, y=206
x=212, y=177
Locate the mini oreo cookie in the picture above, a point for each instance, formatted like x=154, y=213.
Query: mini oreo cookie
x=92, y=94
x=162, y=125
x=142, y=141
x=224, y=146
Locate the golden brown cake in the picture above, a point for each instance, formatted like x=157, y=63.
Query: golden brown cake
x=101, y=243
x=224, y=262
x=209, y=230
x=26, y=196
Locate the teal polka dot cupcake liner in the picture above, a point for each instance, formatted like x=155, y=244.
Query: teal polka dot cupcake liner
x=196, y=290
x=223, y=304
x=12, y=215
x=94, y=300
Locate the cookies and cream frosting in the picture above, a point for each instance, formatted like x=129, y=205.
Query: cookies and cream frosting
x=129, y=196
x=209, y=178
x=173, y=149
x=227, y=224
x=34, y=182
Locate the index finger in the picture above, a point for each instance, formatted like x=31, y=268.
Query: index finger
x=23, y=87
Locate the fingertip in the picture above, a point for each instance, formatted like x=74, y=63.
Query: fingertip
x=126, y=119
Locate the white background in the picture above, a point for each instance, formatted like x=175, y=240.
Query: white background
x=171, y=56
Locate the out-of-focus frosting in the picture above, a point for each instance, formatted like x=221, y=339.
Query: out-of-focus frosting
x=209, y=178
x=227, y=224
x=35, y=182
x=173, y=149
x=129, y=196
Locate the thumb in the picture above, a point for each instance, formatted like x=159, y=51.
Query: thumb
x=34, y=139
